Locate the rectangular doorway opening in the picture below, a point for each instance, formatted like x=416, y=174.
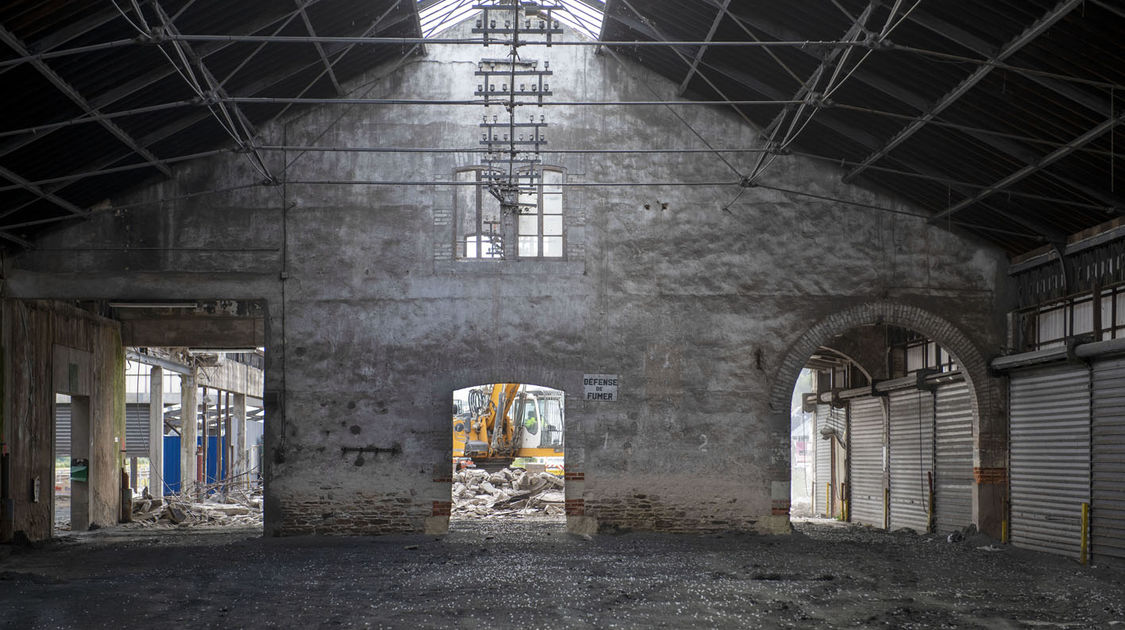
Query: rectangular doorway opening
x=508, y=454
x=194, y=434
x=71, y=490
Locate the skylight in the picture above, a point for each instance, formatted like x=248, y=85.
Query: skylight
x=439, y=15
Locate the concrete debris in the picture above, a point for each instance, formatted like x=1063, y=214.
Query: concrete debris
x=510, y=492
x=235, y=508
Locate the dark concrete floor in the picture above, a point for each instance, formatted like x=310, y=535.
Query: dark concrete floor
x=493, y=574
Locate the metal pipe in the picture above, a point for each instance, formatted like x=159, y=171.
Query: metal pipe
x=427, y=41
x=279, y=100
x=376, y=182
x=97, y=117
x=312, y=149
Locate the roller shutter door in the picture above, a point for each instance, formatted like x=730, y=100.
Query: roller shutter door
x=953, y=482
x=1050, y=457
x=823, y=473
x=911, y=458
x=1107, y=540
x=62, y=430
x=835, y=418
x=866, y=438
x=136, y=430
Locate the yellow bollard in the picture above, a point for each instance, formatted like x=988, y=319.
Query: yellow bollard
x=887, y=509
x=1085, y=529
x=1004, y=531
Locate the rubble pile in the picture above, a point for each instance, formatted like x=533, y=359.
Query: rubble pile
x=508, y=492
x=234, y=508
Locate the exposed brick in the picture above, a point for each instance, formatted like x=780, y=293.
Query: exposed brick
x=990, y=475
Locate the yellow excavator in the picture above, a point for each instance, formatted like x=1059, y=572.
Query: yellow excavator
x=505, y=421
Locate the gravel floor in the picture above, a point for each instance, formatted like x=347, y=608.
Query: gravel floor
x=530, y=574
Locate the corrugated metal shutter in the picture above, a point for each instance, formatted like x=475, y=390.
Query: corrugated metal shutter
x=837, y=419
x=1108, y=505
x=953, y=481
x=136, y=430
x=866, y=437
x=62, y=430
x=823, y=474
x=1050, y=455
x=911, y=458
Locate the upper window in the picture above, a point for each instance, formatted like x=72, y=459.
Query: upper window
x=477, y=218
x=538, y=228
x=541, y=218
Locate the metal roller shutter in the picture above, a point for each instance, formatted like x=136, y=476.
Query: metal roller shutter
x=953, y=481
x=836, y=419
x=911, y=458
x=1050, y=457
x=1108, y=506
x=823, y=474
x=136, y=430
x=62, y=430
x=866, y=438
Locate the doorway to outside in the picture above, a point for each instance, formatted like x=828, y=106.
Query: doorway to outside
x=508, y=452
x=212, y=399
x=70, y=495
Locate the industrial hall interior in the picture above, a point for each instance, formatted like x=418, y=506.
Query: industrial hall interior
x=562, y=313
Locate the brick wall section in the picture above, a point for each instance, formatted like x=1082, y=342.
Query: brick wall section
x=648, y=512
x=363, y=514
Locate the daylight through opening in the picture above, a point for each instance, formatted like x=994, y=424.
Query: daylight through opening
x=508, y=452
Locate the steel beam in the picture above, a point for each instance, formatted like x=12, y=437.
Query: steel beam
x=149, y=78
x=864, y=139
x=167, y=131
x=1012, y=47
x=1007, y=147
x=63, y=35
x=17, y=240
x=971, y=42
x=212, y=83
x=319, y=48
x=71, y=93
x=370, y=30
x=1030, y=169
x=39, y=192
x=703, y=49
x=827, y=62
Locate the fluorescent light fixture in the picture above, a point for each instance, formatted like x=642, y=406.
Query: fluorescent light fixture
x=154, y=304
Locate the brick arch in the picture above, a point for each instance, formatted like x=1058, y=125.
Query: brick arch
x=986, y=396
x=949, y=337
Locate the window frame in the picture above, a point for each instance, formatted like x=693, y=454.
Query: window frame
x=462, y=233
x=540, y=183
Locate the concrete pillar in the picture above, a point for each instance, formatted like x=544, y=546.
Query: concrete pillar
x=238, y=428
x=156, y=432
x=189, y=407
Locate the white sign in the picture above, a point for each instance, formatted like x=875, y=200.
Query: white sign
x=599, y=386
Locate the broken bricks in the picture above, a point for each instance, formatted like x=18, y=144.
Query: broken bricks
x=480, y=494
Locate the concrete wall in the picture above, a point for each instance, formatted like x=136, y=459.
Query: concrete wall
x=371, y=323
x=51, y=347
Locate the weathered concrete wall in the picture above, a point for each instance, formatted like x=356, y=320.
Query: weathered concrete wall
x=372, y=323
x=51, y=347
